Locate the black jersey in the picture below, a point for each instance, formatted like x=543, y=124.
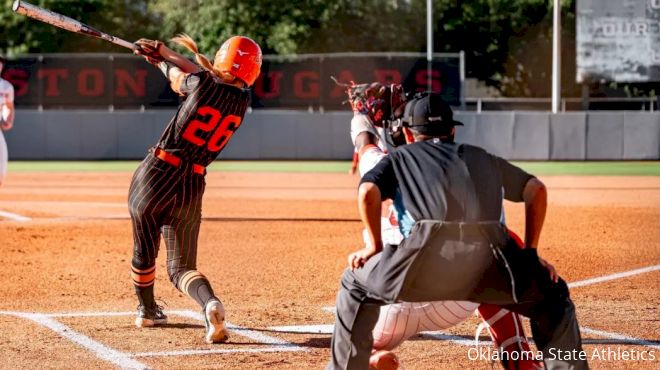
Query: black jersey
x=206, y=120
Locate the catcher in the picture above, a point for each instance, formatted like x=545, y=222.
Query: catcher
x=165, y=196
x=398, y=322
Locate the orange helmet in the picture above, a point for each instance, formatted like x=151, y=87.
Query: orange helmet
x=239, y=56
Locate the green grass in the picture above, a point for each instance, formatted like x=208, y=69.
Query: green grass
x=229, y=166
x=537, y=168
x=592, y=168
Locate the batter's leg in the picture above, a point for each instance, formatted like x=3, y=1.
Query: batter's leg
x=148, y=194
x=181, y=234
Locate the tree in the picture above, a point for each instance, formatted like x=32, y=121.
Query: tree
x=277, y=25
x=506, y=41
x=126, y=19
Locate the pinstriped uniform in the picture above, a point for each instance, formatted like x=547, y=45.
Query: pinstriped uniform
x=166, y=199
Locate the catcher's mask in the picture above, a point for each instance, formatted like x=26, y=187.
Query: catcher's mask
x=239, y=56
x=426, y=113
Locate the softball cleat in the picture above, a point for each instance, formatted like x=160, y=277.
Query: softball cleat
x=148, y=317
x=214, y=318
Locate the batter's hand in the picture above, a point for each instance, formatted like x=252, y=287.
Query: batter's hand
x=551, y=269
x=359, y=258
x=149, y=49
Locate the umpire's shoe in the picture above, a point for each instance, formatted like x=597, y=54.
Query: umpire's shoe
x=214, y=317
x=148, y=317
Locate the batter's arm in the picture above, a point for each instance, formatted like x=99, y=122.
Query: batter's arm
x=186, y=65
x=181, y=82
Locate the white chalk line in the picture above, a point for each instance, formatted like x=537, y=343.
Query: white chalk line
x=460, y=340
x=121, y=359
x=625, y=339
x=327, y=329
x=304, y=329
x=621, y=337
x=202, y=352
x=126, y=361
x=615, y=276
x=197, y=316
x=89, y=314
x=14, y=216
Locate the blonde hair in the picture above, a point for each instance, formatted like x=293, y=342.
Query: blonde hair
x=204, y=62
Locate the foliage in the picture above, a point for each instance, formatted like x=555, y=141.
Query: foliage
x=126, y=19
x=507, y=42
x=278, y=26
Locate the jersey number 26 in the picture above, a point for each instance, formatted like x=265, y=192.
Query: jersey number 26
x=207, y=122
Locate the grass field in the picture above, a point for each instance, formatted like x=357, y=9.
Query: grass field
x=650, y=168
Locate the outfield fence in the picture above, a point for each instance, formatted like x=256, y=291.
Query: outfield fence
x=296, y=135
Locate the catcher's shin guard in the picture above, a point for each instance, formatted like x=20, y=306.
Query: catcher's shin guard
x=507, y=332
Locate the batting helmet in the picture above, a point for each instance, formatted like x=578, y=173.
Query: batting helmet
x=239, y=56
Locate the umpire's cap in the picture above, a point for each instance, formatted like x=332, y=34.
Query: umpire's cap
x=429, y=114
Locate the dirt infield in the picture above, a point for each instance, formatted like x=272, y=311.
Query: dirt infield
x=274, y=246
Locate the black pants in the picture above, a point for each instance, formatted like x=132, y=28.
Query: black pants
x=166, y=200
x=445, y=262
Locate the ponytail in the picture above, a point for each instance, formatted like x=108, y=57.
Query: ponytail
x=204, y=62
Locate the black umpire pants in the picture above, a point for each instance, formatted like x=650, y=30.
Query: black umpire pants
x=445, y=261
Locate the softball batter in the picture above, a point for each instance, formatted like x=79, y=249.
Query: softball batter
x=6, y=118
x=165, y=195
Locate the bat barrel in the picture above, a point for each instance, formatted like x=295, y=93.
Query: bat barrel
x=16, y=6
x=64, y=22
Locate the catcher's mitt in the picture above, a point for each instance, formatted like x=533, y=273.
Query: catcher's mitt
x=149, y=50
x=376, y=100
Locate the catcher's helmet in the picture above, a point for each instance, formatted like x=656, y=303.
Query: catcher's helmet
x=239, y=56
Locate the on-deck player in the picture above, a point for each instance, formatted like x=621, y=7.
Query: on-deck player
x=165, y=195
x=6, y=118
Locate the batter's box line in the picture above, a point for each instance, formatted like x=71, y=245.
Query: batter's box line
x=127, y=360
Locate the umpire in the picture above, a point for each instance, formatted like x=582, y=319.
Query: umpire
x=449, y=198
